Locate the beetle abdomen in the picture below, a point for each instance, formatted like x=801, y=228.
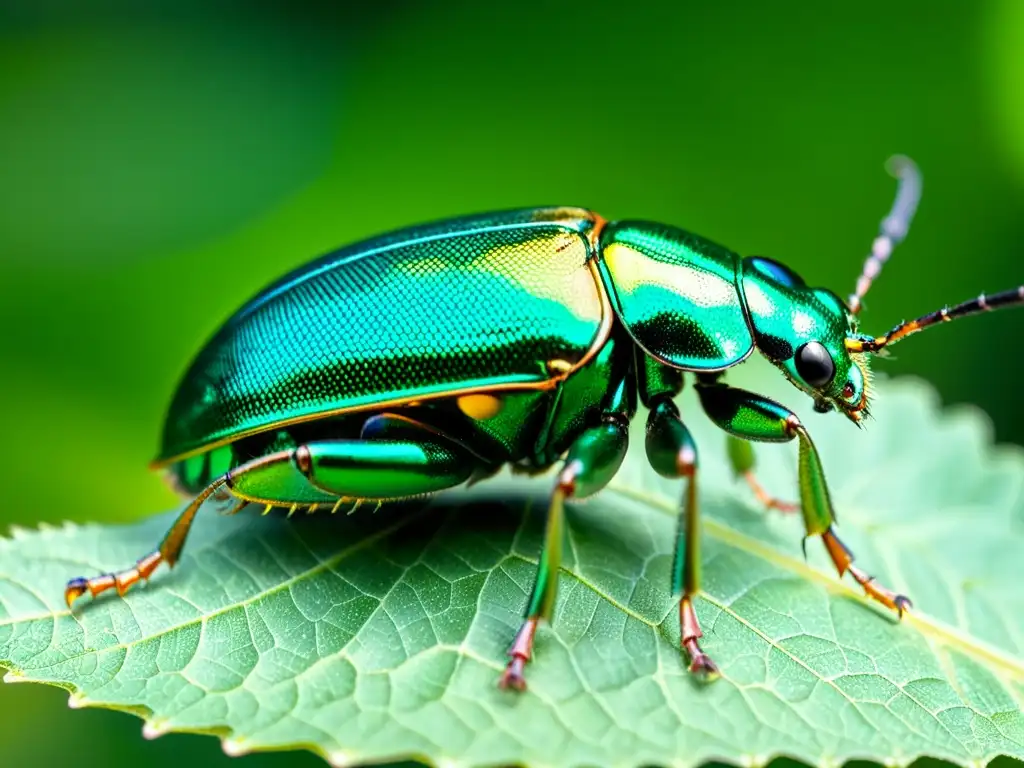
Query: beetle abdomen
x=478, y=303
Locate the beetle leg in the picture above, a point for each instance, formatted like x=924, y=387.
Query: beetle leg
x=385, y=469
x=754, y=417
x=741, y=456
x=592, y=461
x=311, y=474
x=672, y=453
x=766, y=499
x=169, y=550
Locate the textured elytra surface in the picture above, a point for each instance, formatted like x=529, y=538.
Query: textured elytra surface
x=370, y=638
x=407, y=315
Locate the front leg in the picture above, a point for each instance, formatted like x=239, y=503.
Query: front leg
x=753, y=417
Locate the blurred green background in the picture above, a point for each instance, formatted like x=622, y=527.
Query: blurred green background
x=162, y=161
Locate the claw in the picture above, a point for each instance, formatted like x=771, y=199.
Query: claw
x=701, y=664
x=903, y=604
x=121, y=581
x=513, y=677
x=518, y=655
x=842, y=557
x=891, y=600
x=74, y=590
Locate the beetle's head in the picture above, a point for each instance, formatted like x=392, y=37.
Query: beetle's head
x=804, y=332
x=811, y=334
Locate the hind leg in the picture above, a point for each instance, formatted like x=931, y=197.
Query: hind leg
x=384, y=463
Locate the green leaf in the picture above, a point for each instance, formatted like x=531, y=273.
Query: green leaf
x=375, y=637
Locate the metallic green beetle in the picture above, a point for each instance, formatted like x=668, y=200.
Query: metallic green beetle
x=430, y=357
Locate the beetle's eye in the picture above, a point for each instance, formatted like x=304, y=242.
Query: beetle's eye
x=814, y=364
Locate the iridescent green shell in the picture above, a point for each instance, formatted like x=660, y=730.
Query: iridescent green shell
x=677, y=294
x=492, y=301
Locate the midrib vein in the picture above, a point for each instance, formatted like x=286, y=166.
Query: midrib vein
x=928, y=626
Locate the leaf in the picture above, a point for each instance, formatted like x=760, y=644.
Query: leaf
x=375, y=637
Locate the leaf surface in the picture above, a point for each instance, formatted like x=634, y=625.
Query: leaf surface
x=376, y=637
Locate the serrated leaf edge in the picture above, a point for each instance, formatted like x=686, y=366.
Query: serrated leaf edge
x=154, y=727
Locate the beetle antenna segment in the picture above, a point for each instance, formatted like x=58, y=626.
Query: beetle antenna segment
x=894, y=227
x=1011, y=298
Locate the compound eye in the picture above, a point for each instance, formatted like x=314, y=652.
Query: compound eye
x=814, y=364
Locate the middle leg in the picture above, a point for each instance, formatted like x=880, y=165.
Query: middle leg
x=672, y=453
x=743, y=461
x=592, y=461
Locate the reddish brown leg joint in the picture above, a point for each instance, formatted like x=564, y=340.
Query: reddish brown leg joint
x=518, y=656
x=121, y=581
x=701, y=664
x=766, y=499
x=842, y=557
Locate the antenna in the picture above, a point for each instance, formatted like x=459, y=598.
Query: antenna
x=1011, y=298
x=894, y=227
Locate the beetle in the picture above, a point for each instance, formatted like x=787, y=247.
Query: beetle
x=430, y=357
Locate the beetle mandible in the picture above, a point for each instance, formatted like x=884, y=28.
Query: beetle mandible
x=431, y=357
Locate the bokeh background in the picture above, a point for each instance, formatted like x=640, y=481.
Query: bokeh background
x=161, y=161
